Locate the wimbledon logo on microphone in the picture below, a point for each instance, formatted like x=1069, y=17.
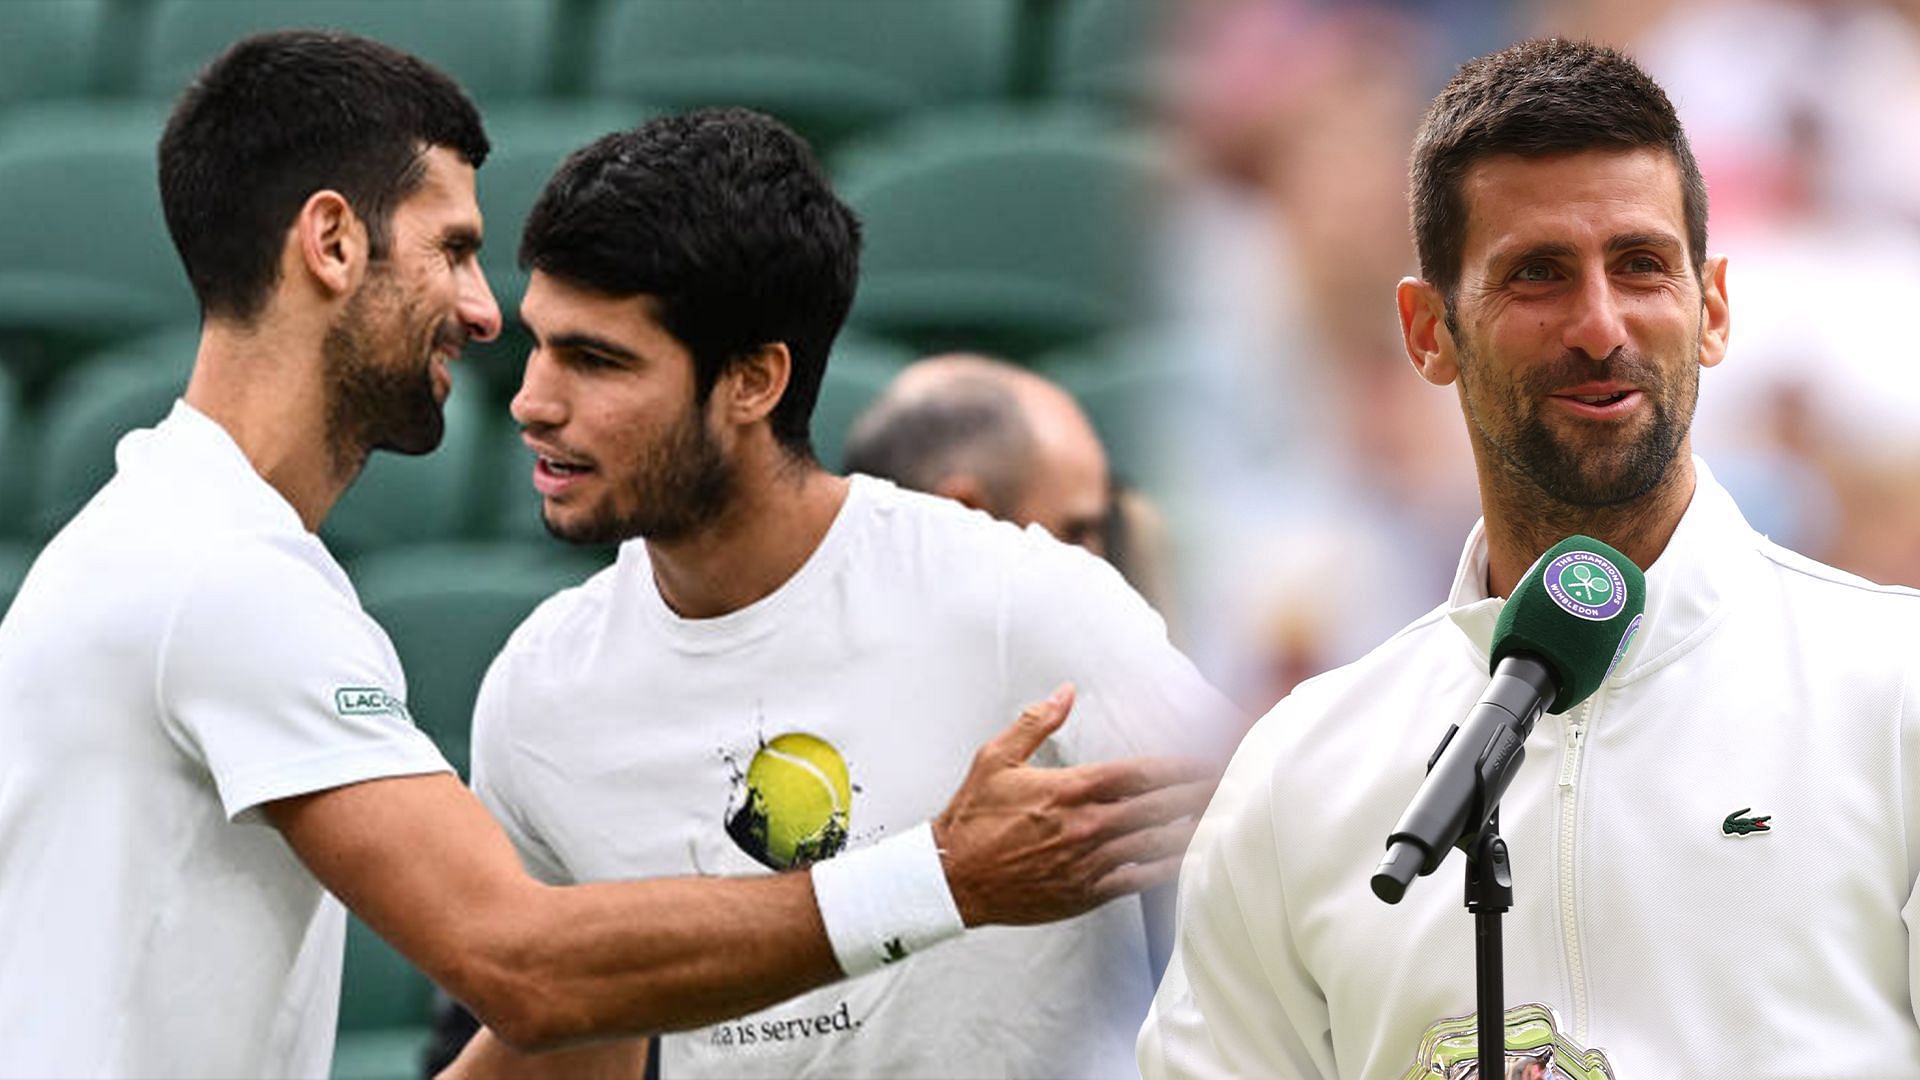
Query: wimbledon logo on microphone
x=1586, y=585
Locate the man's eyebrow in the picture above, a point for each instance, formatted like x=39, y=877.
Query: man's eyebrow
x=585, y=342
x=1624, y=241
x=461, y=238
x=1552, y=249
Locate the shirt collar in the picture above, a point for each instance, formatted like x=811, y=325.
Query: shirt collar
x=1687, y=586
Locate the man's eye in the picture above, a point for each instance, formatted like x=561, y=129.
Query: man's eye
x=1644, y=264
x=1534, y=272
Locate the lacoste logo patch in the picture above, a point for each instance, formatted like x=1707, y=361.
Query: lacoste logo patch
x=368, y=701
x=1735, y=825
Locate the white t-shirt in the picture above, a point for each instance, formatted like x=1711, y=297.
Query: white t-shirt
x=180, y=653
x=1715, y=858
x=617, y=740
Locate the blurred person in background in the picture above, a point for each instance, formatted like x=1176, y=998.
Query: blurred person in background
x=1567, y=294
x=1291, y=121
x=208, y=739
x=993, y=437
x=783, y=662
x=1014, y=444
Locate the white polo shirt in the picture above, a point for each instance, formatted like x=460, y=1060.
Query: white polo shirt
x=1652, y=913
x=182, y=652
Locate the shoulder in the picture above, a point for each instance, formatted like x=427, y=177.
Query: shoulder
x=1823, y=583
x=1847, y=618
x=253, y=594
x=1353, y=716
x=571, y=620
x=916, y=523
x=952, y=557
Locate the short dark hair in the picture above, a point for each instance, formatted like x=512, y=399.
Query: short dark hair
x=1537, y=98
x=725, y=220
x=281, y=115
x=974, y=424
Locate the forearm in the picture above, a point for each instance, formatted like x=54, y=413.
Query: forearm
x=633, y=958
x=487, y=1058
x=545, y=966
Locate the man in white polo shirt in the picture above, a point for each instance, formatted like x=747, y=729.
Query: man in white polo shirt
x=205, y=736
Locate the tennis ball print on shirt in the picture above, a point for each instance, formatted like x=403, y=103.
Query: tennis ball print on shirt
x=793, y=806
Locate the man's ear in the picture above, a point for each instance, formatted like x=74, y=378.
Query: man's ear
x=330, y=241
x=1715, y=321
x=754, y=384
x=1423, y=327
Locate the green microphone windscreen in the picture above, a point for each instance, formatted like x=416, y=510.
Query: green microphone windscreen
x=1577, y=609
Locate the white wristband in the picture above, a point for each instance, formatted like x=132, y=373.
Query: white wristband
x=885, y=902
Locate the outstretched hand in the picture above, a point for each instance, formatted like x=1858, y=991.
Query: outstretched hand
x=1024, y=845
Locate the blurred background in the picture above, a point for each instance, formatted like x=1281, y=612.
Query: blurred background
x=1190, y=213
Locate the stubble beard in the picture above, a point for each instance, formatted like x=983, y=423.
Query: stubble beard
x=378, y=397
x=683, y=484
x=1548, y=483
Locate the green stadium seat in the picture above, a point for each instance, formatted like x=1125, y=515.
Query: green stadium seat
x=17, y=462
x=859, y=369
x=1126, y=383
x=1004, y=231
x=16, y=558
x=449, y=608
x=50, y=48
x=403, y=499
x=84, y=252
x=515, y=513
x=828, y=67
x=495, y=48
x=91, y=407
x=1110, y=52
x=386, y=1011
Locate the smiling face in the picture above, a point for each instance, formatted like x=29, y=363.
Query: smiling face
x=622, y=448
x=388, y=350
x=1579, y=326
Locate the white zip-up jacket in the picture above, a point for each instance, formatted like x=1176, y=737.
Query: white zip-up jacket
x=1650, y=912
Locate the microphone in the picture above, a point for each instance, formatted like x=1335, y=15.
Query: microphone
x=1566, y=626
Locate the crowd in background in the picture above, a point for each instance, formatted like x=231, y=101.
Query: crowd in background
x=1320, y=492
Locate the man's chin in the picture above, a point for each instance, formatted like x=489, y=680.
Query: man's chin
x=418, y=440
x=588, y=532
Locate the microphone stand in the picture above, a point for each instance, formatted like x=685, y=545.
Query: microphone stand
x=1489, y=895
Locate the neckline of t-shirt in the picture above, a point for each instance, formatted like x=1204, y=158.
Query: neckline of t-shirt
x=765, y=614
x=202, y=433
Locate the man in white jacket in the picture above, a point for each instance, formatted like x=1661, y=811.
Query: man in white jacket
x=1714, y=857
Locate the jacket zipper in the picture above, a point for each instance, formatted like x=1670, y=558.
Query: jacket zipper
x=1569, y=926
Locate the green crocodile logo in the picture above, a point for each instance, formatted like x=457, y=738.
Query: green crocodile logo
x=1735, y=825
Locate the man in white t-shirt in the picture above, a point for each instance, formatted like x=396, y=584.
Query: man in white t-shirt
x=205, y=736
x=784, y=664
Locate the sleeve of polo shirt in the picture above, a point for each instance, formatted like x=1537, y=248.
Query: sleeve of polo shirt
x=280, y=685
x=1236, y=1000
x=1072, y=617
